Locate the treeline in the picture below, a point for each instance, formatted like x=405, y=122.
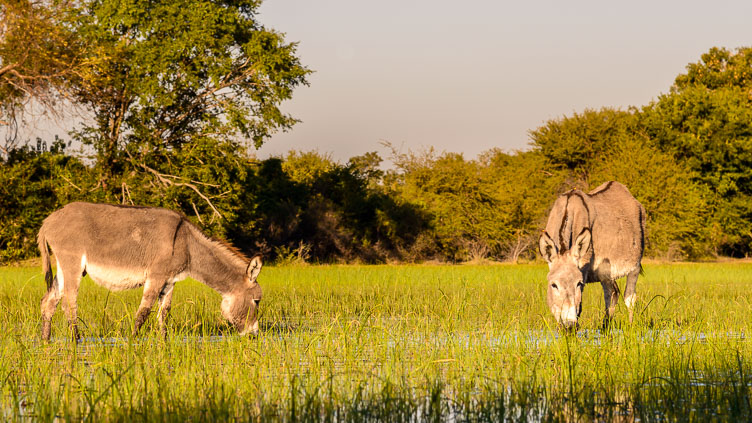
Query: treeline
x=687, y=157
x=301, y=208
x=307, y=207
x=175, y=92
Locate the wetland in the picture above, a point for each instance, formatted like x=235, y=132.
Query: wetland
x=397, y=343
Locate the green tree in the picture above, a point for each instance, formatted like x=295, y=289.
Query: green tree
x=38, y=52
x=341, y=211
x=176, y=90
x=575, y=143
x=525, y=185
x=718, y=68
x=367, y=167
x=164, y=77
x=677, y=206
x=598, y=146
x=706, y=122
x=307, y=167
x=462, y=208
x=34, y=181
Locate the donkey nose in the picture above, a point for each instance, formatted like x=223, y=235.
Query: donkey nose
x=254, y=328
x=568, y=316
x=568, y=324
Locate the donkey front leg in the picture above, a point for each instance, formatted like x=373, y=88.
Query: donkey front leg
x=70, y=269
x=630, y=292
x=72, y=280
x=165, y=303
x=49, y=305
x=151, y=292
x=611, y=296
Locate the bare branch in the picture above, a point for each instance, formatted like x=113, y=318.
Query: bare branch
x=125, y=190
x=71, y=183
x=198, y=215
x=165, y=180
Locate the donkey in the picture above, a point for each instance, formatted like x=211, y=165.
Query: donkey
x=124, y=247
x=593, y=237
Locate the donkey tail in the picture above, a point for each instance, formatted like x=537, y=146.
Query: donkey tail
x=46, y=267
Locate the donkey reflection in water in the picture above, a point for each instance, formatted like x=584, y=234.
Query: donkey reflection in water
x=124, y=247
x=593, y=237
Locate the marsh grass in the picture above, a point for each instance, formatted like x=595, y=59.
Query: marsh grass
x=397, y=343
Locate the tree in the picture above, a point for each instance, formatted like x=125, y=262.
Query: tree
x=336, y=211
x=677, y=206
x=705, y=121
x=34, y=181
x=38, y=52
x=176, y=91
x=162, y=77
x=525, y=185
x=463, y=209
x=718, y=68
x=575, y=143
x=599, y=146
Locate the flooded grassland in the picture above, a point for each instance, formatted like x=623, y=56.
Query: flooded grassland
x=403, y=343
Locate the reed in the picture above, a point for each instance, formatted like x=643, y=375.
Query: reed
x=369, y=343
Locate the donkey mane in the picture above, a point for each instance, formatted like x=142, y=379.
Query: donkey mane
x=603, y=188
x=223, y=245
x=563, y=226
x=129, y=206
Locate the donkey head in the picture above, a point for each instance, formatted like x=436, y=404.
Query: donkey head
x=566, y=276
x=241, y=307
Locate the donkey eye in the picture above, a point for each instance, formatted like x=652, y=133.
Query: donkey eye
x=554, y=286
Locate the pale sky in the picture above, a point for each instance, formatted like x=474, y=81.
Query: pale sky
x=467, y=76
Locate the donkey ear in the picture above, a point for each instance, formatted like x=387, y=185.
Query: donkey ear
x=582, y=244
x=254, y=268
x=547, y=247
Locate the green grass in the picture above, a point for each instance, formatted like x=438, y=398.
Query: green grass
x=369, y=343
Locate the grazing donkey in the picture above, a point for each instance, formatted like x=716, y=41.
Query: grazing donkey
x=124, y=247
x=593, y=237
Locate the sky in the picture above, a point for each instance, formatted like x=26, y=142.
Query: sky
x=468, y=76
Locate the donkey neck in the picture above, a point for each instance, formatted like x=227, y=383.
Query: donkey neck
x=215, y=265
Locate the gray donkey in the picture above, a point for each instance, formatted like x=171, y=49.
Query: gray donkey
x=124, y=247
x=593, y=237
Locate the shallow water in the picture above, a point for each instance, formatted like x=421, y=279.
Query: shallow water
x=532, y=338
x=365, y=352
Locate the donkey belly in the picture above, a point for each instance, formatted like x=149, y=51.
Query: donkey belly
x=606, y=269
x=116, y=278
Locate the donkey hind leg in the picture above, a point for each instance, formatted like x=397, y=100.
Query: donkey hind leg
x=151, y=292
x=611, y=296
x=49, y=305
x=630, y=293
x=165, y=303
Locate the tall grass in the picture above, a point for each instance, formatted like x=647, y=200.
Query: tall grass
x=369, y=343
